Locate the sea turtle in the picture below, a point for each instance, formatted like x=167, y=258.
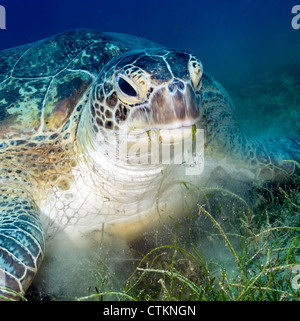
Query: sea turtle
x=69, y=103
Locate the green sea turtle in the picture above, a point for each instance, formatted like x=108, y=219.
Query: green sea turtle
x=66, y=100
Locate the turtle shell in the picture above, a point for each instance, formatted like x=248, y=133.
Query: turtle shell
x=42, y=83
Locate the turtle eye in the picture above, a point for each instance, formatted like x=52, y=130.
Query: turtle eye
x=196, y=71
x=126, y=87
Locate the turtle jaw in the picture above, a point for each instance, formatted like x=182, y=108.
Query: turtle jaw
x=168, y=110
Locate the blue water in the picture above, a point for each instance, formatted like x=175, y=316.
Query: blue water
x=235, y=39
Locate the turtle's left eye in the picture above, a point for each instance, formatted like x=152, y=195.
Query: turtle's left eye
x=196, y=71
x=126, y=87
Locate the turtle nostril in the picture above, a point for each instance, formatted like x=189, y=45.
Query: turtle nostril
x=181, y=85
x=176, y=85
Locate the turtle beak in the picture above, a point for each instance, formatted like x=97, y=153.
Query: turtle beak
x=172, y=106
x=176, y=105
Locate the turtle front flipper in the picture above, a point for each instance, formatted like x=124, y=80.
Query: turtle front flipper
x=273, y=159
x=270, y=159
x=21, y=241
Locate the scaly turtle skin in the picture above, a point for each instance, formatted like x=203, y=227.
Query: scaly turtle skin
x=63, y=102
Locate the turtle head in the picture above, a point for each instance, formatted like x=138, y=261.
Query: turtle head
x=145, y=90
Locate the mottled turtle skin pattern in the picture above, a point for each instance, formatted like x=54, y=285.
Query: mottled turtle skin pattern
x=59, y=95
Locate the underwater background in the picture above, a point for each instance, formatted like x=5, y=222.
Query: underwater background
x=251, y=48
x=240, y=42
x=235, y=39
